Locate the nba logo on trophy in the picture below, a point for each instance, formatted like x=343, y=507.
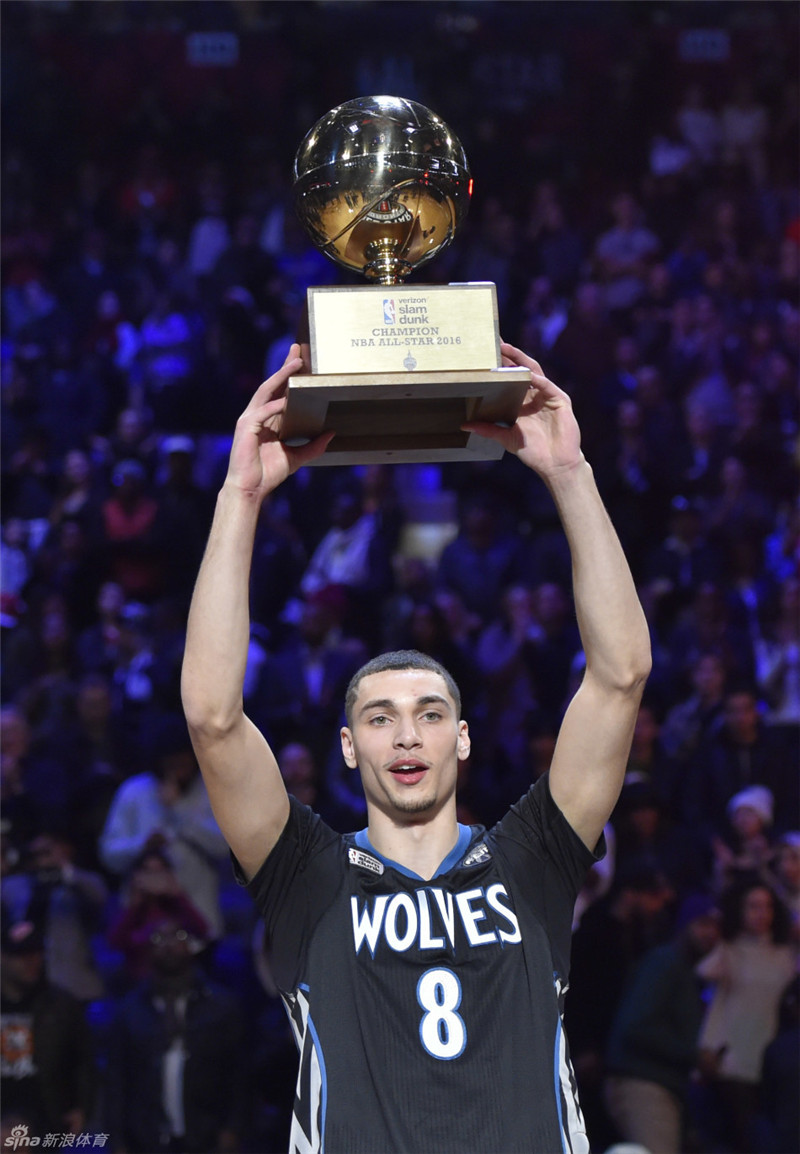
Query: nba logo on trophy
x=388, y=312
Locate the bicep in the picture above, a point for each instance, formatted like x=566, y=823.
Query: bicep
x=246, y=791
x=591, y=755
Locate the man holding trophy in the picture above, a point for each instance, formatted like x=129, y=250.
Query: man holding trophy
x=423, y=963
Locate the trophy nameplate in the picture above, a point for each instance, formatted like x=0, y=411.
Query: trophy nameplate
x=381, y=186
x=403, y=328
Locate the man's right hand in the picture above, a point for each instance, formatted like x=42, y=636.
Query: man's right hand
x=259, y=460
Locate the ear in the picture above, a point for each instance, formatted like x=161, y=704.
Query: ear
x=348, y=749
x=464, y=743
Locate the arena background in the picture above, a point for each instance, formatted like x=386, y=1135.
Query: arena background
x=138, y=139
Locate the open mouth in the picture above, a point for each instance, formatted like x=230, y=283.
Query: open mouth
x=409, y=773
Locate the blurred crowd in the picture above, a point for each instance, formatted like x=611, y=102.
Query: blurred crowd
x=147, y=288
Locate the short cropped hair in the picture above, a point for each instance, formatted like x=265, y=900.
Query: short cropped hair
x=396, y=660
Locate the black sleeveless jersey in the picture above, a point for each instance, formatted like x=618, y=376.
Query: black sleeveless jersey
x=428, y=1013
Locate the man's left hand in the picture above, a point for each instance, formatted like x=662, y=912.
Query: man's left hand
x=545, y=435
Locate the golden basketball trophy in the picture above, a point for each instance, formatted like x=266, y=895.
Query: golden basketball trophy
x=381, y=186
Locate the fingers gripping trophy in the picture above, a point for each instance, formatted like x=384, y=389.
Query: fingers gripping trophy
x=381, y=186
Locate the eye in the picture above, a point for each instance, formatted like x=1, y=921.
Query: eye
x=432, y=715
x=379, y=719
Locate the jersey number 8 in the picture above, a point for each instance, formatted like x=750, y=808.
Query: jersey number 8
x=441, y=1030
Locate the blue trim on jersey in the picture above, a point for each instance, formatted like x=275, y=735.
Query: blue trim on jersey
x=322, y=1071
x=455, y=855
x=557, y=1083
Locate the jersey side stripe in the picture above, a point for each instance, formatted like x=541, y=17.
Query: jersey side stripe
x=311, y=1095
x=573, y=1135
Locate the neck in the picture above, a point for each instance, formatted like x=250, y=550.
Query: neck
x=14, y=991
x=420, y=842
x=173, y=985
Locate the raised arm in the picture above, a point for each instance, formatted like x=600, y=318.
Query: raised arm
x=593, y=745
x=241, y=775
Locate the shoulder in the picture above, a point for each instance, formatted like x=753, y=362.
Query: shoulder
x=541, y=847
x=55, y=1001
x=537, y=817
x=137, y=789
x=139, y=785
x=304, y=837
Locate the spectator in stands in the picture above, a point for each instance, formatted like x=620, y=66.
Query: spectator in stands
x=699, y=453
x=777, y=653
x=301, y=683
x=786, y=876
x=708, y=625
x=750, y=969
x=500, y=656
x=700, y=127
x=583, y=352
x=614, y=934
x=131, y=533
x=167, y=807
x=68, y=903
x=652, y=1049
x=482, y=560
x=742, y=753
x=550, y=649
x=36, y=789
x=688, y=723
x=167, y=354
x=683, y=560
x=745, y=125
x=350, y=554
x=97, y=645
x=623, y=253
x=152, y=893
x=777, y=1122
x=745, y=851
x=632, y=487
x=66, y=566
x=79, y=496
x=646, y=831
x=558, y=248
x=175, y=1077
x=184, y=512
x=49, y=1078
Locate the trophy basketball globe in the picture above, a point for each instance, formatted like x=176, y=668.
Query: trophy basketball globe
x=381, y=186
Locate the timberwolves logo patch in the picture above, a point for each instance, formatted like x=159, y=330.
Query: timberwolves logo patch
x=357, y=857
x=477, y=856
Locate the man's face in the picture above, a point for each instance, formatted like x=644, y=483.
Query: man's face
x=170, y=949
x=741, y=715
x=297, y=770
x=180, y=768
x=23, y=970
x=709, y=677
x=704, y=933
x=789, y=865
x=407, y=740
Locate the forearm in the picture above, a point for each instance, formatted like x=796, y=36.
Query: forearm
x=612, y=624
x=219, y=618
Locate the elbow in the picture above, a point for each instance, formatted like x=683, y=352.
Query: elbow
x=628, y=675
x=209, y=725
x=208, y=717
x=641, y=665
x=638, y=670
x=636, y=660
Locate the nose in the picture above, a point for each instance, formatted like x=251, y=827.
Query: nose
x=406, y=736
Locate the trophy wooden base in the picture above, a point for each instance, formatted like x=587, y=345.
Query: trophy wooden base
x=402, y=418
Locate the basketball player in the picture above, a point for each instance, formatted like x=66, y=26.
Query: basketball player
x=423, y=963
